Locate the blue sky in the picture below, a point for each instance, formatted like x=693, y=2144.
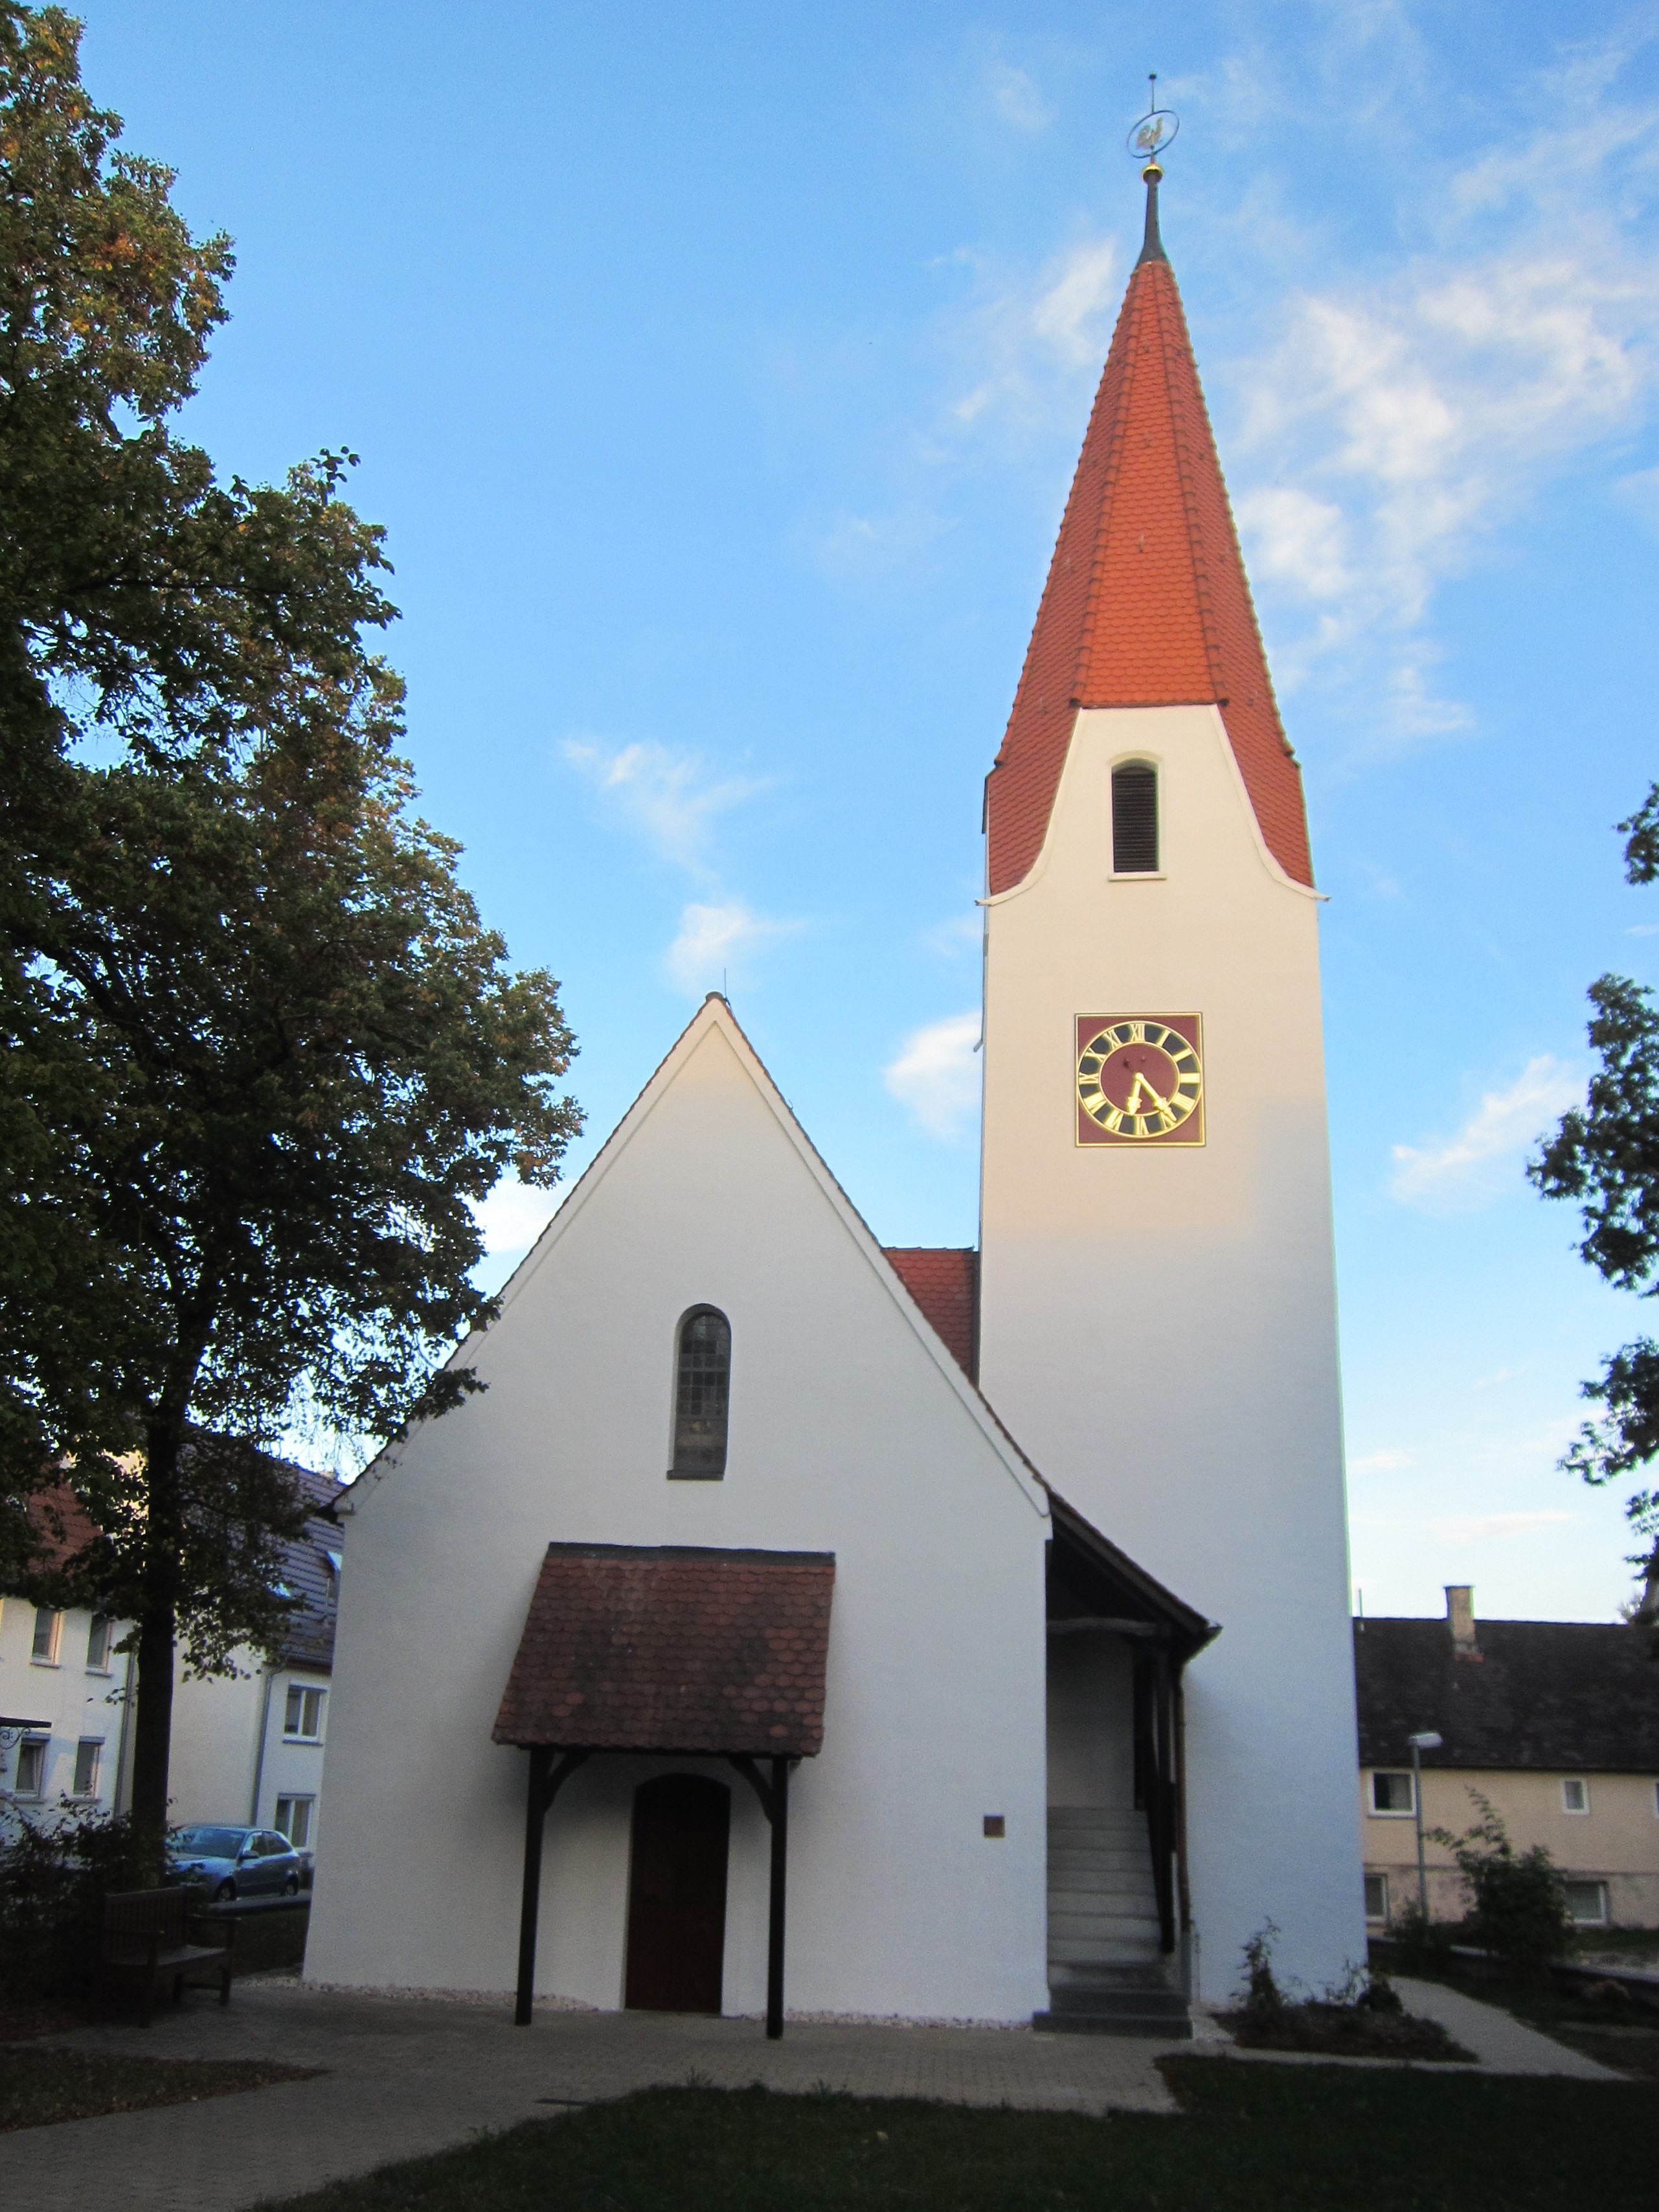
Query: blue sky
x=718, y=374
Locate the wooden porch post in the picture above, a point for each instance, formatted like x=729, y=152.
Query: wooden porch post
x=780, y=1837
x=535, y=1813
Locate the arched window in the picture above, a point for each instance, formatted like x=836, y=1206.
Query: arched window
x=1135, y=819
x=702, y=1395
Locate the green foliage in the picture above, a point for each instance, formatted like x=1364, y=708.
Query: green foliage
x=53, y=1874
x=1264, y=2002
x=1421, y=1938
x=258, y=1055
x=1604, y=1157
x=1517, y=1900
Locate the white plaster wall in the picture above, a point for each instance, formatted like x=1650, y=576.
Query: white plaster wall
x=1091, y=1722
x=73, y=1699
x=1158, y=1324
x=215, y=1741
x=292, y=1767
x=848, y=1434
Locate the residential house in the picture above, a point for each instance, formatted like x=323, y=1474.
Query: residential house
x=247, y=1747
x=1555, y=1723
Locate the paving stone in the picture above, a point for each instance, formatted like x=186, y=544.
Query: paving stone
x=406, y=2076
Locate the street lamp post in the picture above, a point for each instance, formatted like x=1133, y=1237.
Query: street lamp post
x=1428, y=1740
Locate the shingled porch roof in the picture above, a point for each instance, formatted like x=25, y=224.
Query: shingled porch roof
x=673, y=1648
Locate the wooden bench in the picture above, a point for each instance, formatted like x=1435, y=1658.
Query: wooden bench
x=154, y=1932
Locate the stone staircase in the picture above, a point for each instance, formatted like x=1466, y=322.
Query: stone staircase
x=1106, y=1973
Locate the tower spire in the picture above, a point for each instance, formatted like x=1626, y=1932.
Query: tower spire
x=1147, y=602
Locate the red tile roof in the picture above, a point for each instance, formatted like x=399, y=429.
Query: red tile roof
x=944, y=1281
x=1147, y=602
x=640, y=1648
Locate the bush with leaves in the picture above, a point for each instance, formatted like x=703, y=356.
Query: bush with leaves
x=1517, y=1900
x=53, y=1876
x=1264, y=2002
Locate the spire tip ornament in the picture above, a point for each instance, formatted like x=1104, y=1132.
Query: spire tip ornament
x=1147, y=141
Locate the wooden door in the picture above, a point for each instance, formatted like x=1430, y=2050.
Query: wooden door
x=677, y=1894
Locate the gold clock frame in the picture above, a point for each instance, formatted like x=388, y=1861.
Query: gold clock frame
x=1180, y=1037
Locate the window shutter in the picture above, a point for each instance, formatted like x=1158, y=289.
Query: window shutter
x=1135, y=819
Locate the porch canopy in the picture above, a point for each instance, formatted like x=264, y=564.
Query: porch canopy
x=675, y=1650
x=1094, y=1588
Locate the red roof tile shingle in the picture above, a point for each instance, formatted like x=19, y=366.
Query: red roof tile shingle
x=944, y=1281
x=1147, y=602
x=672, y=1648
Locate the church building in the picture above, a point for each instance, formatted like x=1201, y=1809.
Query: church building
x=794, y=1626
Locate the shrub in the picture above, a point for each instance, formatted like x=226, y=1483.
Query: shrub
x=1264, y=2003
x=53, y=1874
x=1518, y=1899
x=1421, y=1940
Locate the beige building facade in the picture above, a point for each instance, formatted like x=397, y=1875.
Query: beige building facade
x=1554, y=1724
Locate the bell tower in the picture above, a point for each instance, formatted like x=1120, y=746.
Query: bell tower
x=1157, y=1318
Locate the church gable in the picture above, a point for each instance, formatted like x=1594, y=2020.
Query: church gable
x=709, y=1197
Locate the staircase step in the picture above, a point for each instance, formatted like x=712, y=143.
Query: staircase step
x=1102, y=1950
x=1154, y=2026
x=1145, y=2004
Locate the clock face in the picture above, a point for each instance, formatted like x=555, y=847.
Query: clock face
x=1140, y=1079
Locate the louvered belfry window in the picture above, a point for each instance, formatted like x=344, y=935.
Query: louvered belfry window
x=702, y=1395
x=1135, y=819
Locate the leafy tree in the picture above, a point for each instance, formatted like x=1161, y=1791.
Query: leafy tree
x=1517, y=1900
x=258, y=1055
x=1605, y=1155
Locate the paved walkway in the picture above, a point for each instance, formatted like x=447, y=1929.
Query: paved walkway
x=407, y=2076
x=1503, y=2044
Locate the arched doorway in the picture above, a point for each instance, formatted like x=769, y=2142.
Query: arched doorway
x=677, y=1894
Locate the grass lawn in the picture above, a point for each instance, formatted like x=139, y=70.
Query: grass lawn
x=39, y=2085
x=1251, y=2138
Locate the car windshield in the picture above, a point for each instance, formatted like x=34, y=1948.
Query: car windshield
x=209, y=1843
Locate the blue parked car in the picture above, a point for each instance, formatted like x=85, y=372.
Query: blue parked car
x=230, y=1863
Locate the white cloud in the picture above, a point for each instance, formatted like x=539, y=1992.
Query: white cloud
x=717, y=943
x=870, y=548
x=936, y=1074
x=961, y=932
x=1014, y=96
x=1465, y=1165
x=1640, y=494
x=1392, y=425
x=1382, y=1463
x=1498, y=1375
x=1031, y=343
x=514, y=1215
x=1483, y=1527
x=668, y=798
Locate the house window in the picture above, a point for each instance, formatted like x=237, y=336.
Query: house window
x=1135, y=819
x=1377, y=1897
x=702, y=1396
x=294, y=1820
x=87, y=1753
x=1575, y=1794
x=302, y=1717
x=31, y=1766
x=99, y=1637
x=1587, y=1903
x=48, y=1626
x=1391, y=1794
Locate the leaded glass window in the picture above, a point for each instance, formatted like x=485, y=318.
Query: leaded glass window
x=702, y=1395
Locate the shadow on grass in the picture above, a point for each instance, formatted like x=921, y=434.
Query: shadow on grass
x=1250, y=2138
